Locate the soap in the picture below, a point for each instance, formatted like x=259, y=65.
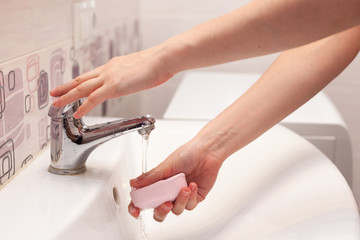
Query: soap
x=154, y=195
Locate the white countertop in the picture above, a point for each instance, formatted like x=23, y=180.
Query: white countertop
x=203, y=95
x=278, y=187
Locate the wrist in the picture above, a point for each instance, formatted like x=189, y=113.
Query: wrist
x=215, y=143
x=172, y=56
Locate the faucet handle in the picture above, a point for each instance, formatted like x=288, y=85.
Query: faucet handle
x=64, y=112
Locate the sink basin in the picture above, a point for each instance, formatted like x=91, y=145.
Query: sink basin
x=37, y=204
x=278, y=187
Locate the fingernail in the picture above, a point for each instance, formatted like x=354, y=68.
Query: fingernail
x=135, y=179
x=186, y=192
x=167, y=206
x=55, y=101
x=132, y=209
x=76, y=115
x=159, y=219
x=192, y=187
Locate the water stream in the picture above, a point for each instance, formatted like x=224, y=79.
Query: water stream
x=145, y=144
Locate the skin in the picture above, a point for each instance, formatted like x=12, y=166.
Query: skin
x=312, y=34
x=300, y=73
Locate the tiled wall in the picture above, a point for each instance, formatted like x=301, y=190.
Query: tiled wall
x=37, y=54
x=168, y=18
x=24, y=91
x=173, y=17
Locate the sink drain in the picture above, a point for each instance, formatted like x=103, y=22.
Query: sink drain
x=116, y=196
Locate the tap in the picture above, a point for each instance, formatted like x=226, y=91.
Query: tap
x=72, y=141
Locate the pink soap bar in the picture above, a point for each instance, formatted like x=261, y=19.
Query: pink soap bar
x=159, y=192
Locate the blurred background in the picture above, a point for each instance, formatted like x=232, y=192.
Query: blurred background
x=44, y=43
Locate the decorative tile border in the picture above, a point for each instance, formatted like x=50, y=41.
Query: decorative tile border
x=24, y=102
x=25, y=83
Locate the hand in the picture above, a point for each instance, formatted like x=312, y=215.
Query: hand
x=200, y=168
x=120, y=76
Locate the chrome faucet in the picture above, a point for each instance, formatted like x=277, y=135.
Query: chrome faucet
x=72, y=141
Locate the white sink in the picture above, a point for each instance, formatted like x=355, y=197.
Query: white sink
x=278, y=187
x=37, y=204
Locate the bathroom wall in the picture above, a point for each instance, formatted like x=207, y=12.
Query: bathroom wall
x=37, y=53
x=168, y=18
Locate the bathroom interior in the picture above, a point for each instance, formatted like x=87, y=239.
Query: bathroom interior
x=46, y=43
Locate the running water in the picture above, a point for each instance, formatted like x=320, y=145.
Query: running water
x=145, y=144
x=143, y=233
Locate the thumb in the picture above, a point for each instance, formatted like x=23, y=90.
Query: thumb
x=162, y=171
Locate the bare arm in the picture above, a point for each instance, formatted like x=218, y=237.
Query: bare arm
x=295, y=77
x=260, y=27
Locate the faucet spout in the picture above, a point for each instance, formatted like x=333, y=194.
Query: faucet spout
x=72, y=140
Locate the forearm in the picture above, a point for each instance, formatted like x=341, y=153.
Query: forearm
x=258, y=28
x=295, y=77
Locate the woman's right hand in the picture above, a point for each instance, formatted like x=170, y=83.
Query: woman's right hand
x=120, y=76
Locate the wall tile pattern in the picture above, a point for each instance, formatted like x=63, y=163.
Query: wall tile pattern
x=25, y=84
x=37, y=54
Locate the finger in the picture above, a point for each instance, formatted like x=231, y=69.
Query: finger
x=134, y=211
x=147, y=178
x=162, y=211
x=192, y=202
x=162, y=171
x=82, y=90
x=181, y=201
x=66, y=87
x=95, y=98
